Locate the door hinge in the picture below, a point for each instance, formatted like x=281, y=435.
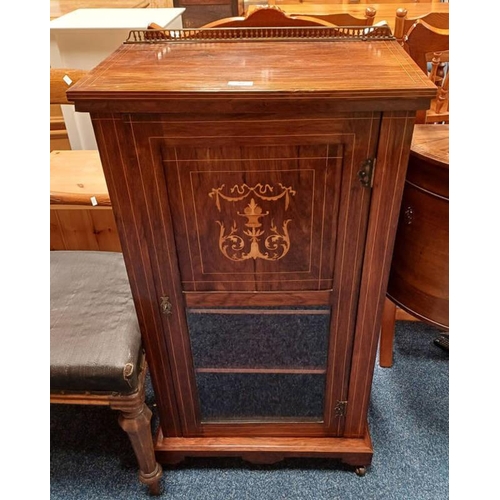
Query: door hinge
x=341, y=409
x=365, y=173
x=166, y=306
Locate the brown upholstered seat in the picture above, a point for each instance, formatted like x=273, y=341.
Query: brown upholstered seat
x=96, y=354
x=94, y=333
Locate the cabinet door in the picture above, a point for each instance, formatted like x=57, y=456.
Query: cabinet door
x=268, y=219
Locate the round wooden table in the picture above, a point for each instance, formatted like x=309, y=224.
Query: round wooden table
x=418, y=282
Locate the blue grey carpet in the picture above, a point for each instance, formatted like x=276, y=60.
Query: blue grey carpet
x=91, y=457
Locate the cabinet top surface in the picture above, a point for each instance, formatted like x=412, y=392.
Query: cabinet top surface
x=334, y=69
x=430, y=142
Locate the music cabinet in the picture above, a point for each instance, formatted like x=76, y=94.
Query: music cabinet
x=256, y=184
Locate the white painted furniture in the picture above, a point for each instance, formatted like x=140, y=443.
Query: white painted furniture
x=85, y=37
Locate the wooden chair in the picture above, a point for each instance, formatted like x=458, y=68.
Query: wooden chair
x=81, y=217
x=428, y=45
x=340, y=18
x=96, y=355
x=347, y=19
x=423, y=40
x=403, y=23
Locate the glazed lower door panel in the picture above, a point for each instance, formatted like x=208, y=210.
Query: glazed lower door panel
x=260, y=364
x=268, y=396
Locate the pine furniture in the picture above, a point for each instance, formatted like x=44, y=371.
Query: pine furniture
x=385, y=11
x=428, y=46
x=403, y=23
x=81, y=217
x=256, y=185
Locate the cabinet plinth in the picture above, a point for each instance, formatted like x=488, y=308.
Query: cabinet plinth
x=256, y=187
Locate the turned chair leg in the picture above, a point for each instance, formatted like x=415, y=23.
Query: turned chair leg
x=387, y=334
x=136, y=422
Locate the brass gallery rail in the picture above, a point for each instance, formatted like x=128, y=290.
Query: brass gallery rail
x=304, y=33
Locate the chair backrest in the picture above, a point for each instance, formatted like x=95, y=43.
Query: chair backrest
x=347, y=19
x=403, y=23
x=423, y=40
x=429, y=48
x=267, y=17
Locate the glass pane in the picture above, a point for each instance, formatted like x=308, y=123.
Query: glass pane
x=260, y=364
x=261, y=396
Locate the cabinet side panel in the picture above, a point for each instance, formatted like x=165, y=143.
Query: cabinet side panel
x=119, y=165
x=392, y=160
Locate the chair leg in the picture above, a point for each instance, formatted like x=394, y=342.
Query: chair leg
x=136, y=422
x=387, y=334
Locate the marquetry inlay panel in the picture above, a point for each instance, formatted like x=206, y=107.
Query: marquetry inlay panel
x=254, y=217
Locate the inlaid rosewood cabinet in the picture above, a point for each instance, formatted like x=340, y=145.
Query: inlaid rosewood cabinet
x=256, y=186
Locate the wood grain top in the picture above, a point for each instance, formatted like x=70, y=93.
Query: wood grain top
x=76, y=177
x=327, y=69
x=432, y=142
